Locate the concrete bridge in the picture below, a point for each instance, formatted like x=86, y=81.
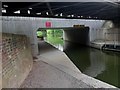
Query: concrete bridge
x=29, y=25
x=21, y=26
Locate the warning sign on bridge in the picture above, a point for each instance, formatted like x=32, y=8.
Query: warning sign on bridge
x=48, y=24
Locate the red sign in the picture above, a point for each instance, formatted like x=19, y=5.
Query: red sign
x=48, y=24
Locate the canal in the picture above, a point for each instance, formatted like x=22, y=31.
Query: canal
x=102, y=65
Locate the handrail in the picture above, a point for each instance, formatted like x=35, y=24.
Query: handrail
x=115, y=38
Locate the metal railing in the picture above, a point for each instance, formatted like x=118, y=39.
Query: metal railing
x=111, y=38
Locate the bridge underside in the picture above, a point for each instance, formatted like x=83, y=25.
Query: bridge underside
x=80, y=10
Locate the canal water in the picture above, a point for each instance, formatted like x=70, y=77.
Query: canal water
x=102, y=65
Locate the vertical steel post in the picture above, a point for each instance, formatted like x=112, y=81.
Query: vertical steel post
x=114, y=40
x=105, y=38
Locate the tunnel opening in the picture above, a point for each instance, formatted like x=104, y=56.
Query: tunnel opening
x=78, y=34
x=52, y=36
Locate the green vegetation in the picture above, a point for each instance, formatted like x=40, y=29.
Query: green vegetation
x=39, y=34
x=52, y=36
x=55, y=36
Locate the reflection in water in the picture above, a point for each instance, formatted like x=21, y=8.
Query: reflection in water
x=97, y=66
x=96, y=63
x=54, y=37
x=58, y=46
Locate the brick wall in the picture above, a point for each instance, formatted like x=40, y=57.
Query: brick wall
x=16, y=59
x=0, y=61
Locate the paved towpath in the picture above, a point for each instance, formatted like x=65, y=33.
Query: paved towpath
x=53, y=69
x=44, y=75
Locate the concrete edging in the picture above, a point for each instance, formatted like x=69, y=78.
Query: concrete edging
x=75, y=72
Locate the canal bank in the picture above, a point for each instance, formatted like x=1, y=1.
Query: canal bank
x=106, y=45
x=53, y=58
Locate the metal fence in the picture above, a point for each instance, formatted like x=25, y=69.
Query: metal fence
x=111, y=38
